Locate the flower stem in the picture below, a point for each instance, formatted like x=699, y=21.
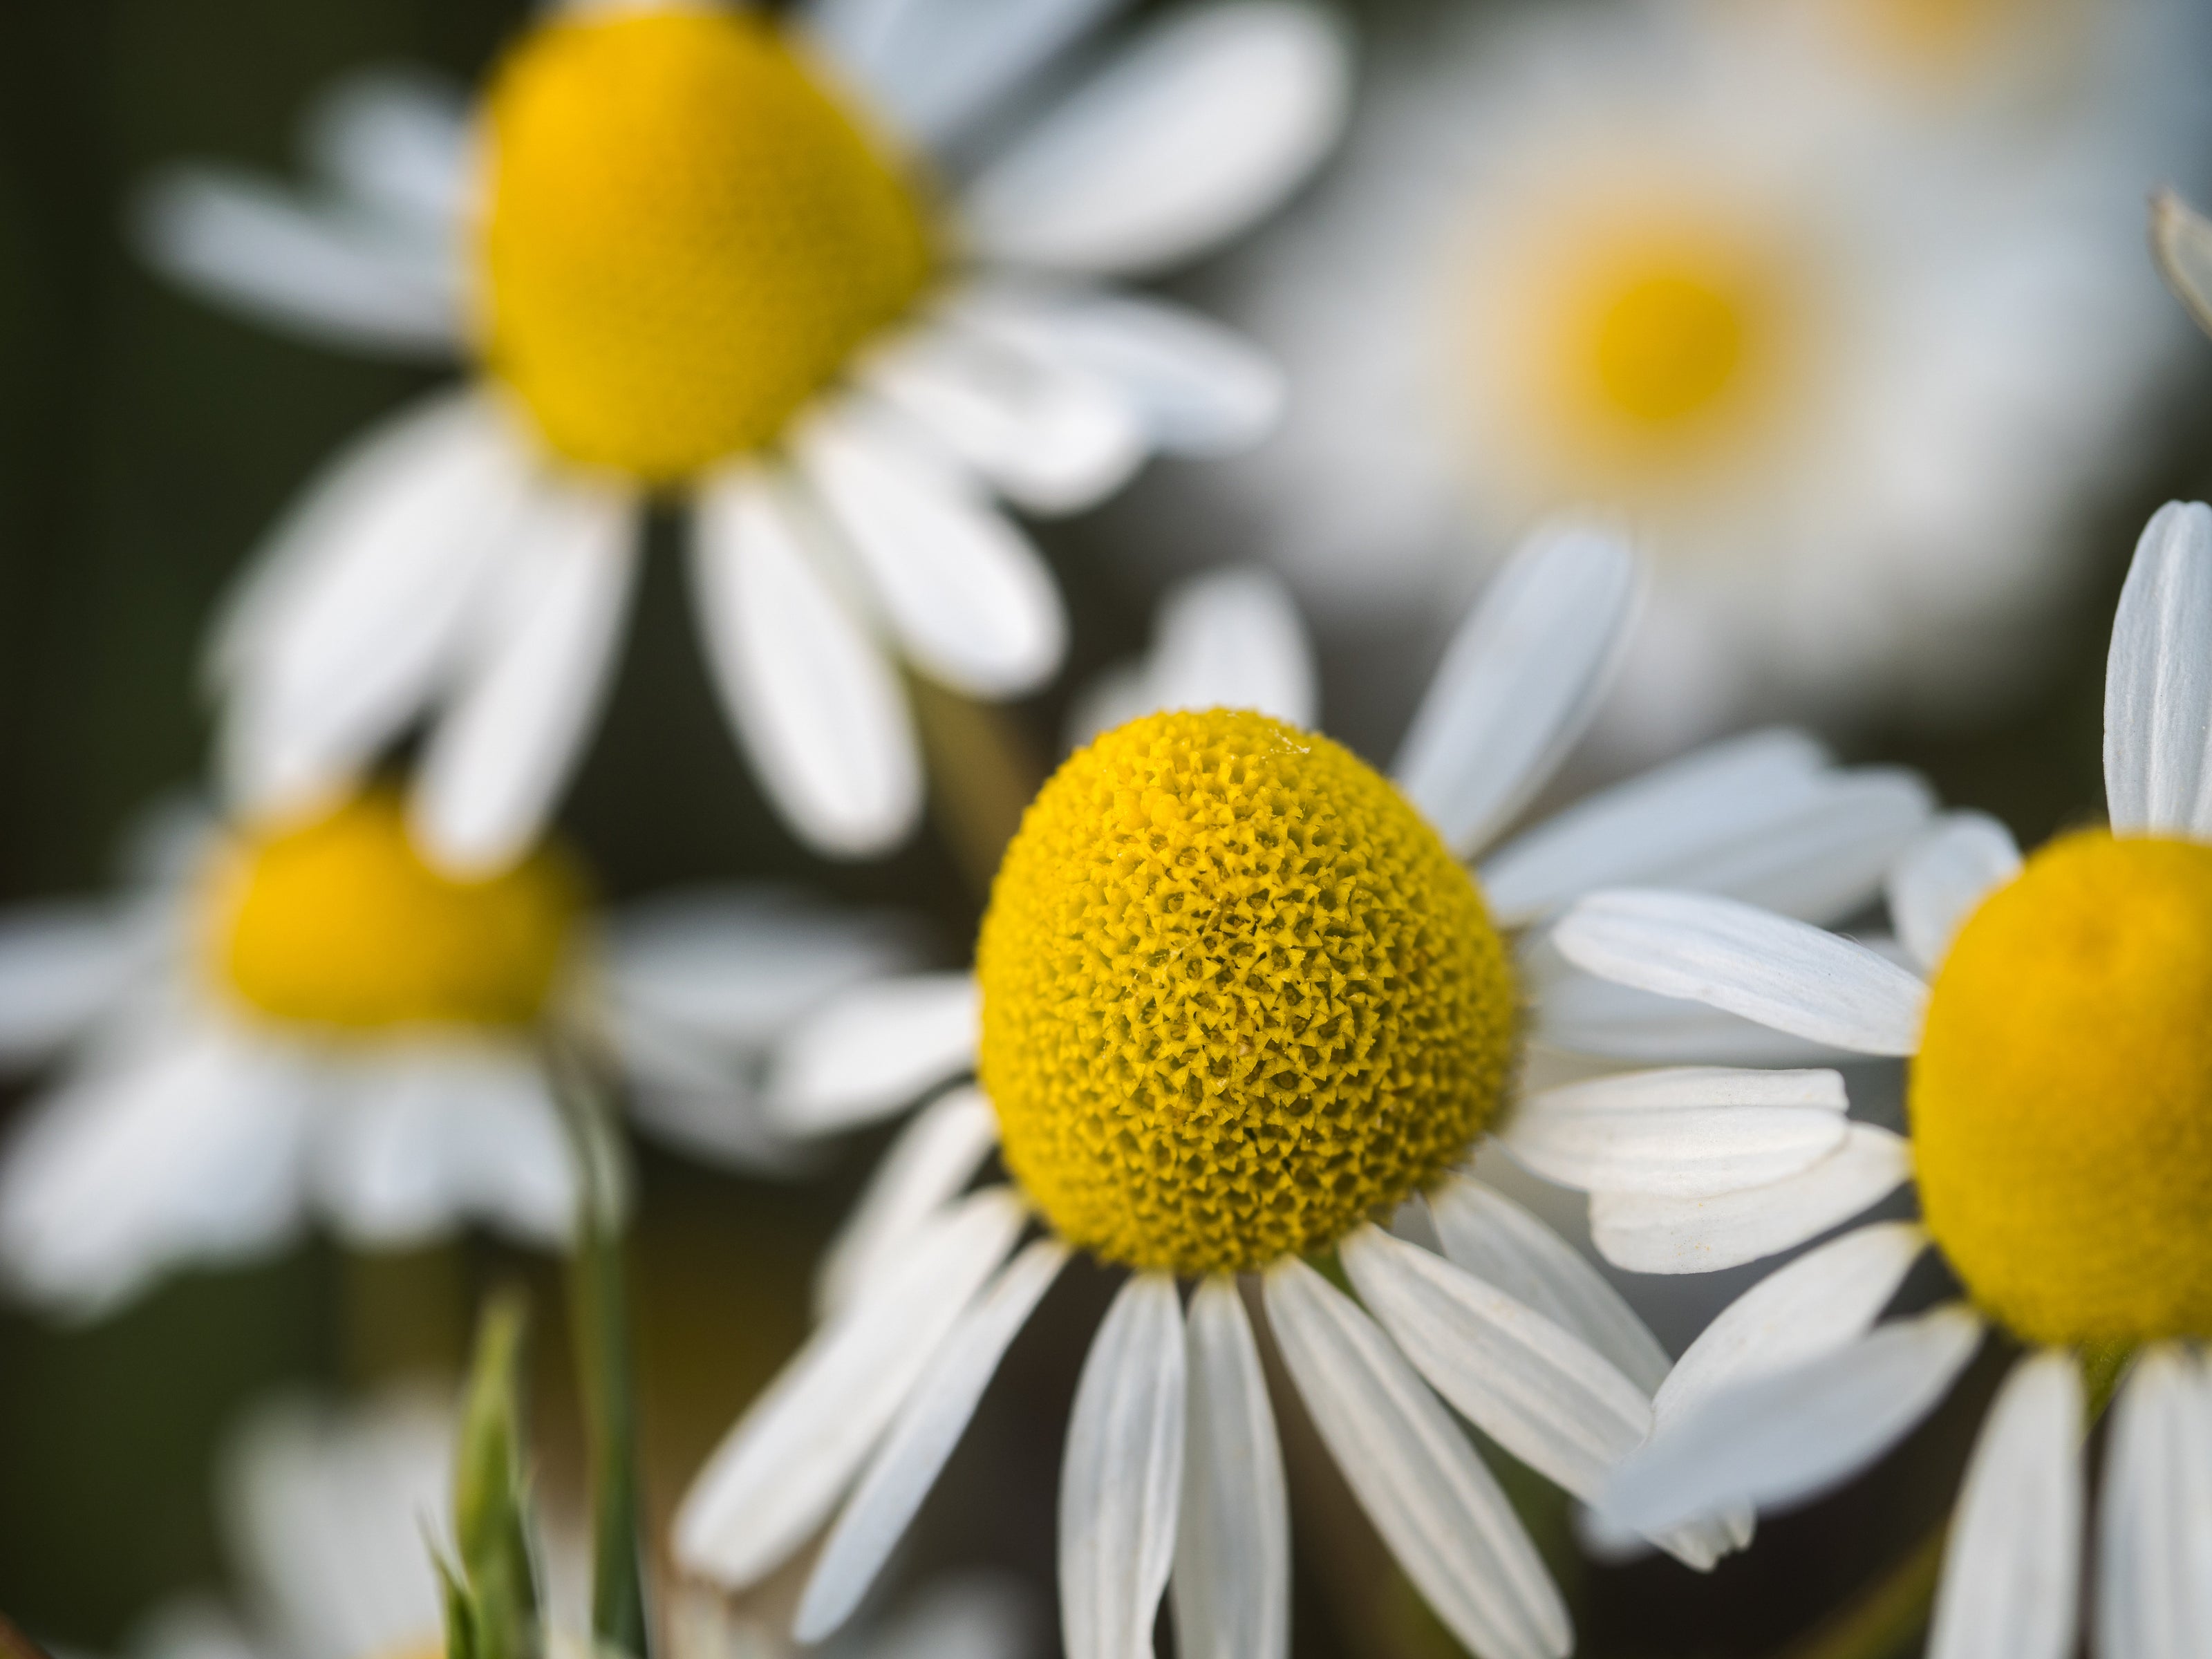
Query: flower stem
x=983, y=770
x=1888, y=1615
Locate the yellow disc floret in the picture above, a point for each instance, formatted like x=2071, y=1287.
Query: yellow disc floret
x=339, y=924
x=688, y=236
x=1237, y=995
x=2062, y=1102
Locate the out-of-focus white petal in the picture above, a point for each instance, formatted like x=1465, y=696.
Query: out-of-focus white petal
x=397, y=141
x=1415, y=1474
x=1230, y=639
x=1231, y=1585
x=2012, y=1566
x=1785, y=1437
x=1519, y=682
x=1780, y=972
x=357, y=612
x=1199, y=129
x=1048, y=436
x=920, y=1438
x=61, y=966
x=934, y=1157
x=1943, y=876
x=811, y=694
x=1820, y=1303
x=931, y=67
x=776, y=1476
x=2158, y=682
x=2154, y=1596
x=961, y=587
x=520, y=718
x=1649, y=1233
x=1581, y=1013
x=332, y=276
x=873, y=1048
x=1535, y=1387
x=1692, y=1130
x=2182, y=238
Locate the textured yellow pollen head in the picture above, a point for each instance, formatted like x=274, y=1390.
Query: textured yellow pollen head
x=2062, y=1101
x=688, y=236
x=338, y=923
x=1237, y=995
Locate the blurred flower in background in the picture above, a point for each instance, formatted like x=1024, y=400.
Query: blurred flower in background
x=1852, y=355
x=311, y=1020
x=774, y=271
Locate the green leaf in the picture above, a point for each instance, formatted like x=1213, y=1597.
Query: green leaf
x=490, y=1505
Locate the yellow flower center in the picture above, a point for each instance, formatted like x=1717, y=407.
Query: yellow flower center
x=688, y=236
x=1631, y=343
x=339, y=924
x=2062, y=1101
x=1237, y=995
x=1943, y=40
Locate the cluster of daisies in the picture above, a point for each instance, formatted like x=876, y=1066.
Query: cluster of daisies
x=1825, y=301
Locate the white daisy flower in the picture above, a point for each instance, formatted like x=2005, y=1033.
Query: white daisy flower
x=310, y=1020
x=823, y=281
x=1848, y=386
x=1235, y=997
x=2060, y=1102
x=329, y=1515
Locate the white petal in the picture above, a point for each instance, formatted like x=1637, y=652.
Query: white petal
x=1049, y=437
x=776, y=1476
x=1121, y=1482
x=1519, y=682
x=2011, y=1568
x=819, y=709
x=359, y=607
x=961, y=587
x=517, y=727
x=61, y=966
x=934, y=1157
x=1819, y=1305
x=1943, y=876
x=1198, y=388
x=1780, y=972
x=932, y=67
x=1497, y=1241
x=1761, y=819
x=972, y=1616
x=1580, y=1013
x=874, y=1049
x=2158, y=681
x=1415, y=1474
x=438, y=1134
x=1536, y=1388
x=1649, y=1234
x=192, y=1149
x=1233, y=639
x=336, y=278
x=1694, y=1130
x=396, y=141
x=1788, y=1437
x=2181, y=237
x=1195, y=132
x=2155, y=1536
x=922, y=1438
x=1231, y=1585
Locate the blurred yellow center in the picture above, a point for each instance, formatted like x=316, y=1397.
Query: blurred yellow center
x=688, y=236
x=2062, y=1101
x=1667, y=345
x=1237, y=995
x=339, y=924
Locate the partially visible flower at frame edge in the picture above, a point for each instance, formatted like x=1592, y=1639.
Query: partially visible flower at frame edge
x=2059, y=1101
x=1855, y=380
x=1237, y=998
x=329, y=1515
x=309, y=1021
x=828, y=280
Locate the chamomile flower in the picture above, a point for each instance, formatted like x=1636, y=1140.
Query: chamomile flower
x=1848, y=387
x=814, y=277
x=1236, y=997
x=329, y=1515
x=2060, y=1104
x=311, y=1020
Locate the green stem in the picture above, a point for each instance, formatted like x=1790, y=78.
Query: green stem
x=1888, y=1614
x=599, y=1318
x=983, y=772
